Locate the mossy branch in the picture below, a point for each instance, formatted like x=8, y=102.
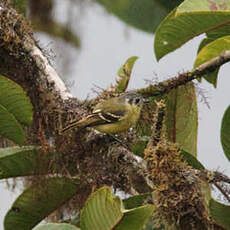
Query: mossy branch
x=165, y=86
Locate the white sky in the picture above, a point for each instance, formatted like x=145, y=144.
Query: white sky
x=106, y=44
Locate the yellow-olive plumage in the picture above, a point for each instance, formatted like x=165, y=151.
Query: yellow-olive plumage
x=112, y=116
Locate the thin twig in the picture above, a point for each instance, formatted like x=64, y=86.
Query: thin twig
x=219, y=177
x=222, y=191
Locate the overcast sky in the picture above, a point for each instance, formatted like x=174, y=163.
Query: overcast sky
x=106, y=44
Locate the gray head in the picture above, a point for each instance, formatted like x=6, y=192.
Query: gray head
x=133, y=99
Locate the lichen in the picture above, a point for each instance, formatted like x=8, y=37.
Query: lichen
x=177, y=191
x=13, y=30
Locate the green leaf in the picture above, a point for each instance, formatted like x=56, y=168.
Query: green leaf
x=53, y=226
x=15, y=101
x=145, y=14
x=220, y=213
x=102, y=211
x=191, y=160
x=136, y=201
x=9, y=127
x=15, y=108
x=225, y=133
x=211, y=50
x=190, y=19
x=181, y=117
x=219, y=32
x=124, y=74
x=22, y=161
x=38, y=201
x=203, y=6
x=211, y=77
x=203, y=43
x=136, y=218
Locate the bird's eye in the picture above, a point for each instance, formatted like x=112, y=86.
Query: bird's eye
x=137, y=100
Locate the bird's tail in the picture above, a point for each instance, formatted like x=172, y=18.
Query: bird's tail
x=80, y=124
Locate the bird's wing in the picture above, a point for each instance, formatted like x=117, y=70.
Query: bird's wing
x=89, y=121
x=110, y=114
x=107, y=115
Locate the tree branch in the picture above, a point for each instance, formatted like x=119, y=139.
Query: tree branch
x=214, y=178
x=222, y=190
x=165, y=86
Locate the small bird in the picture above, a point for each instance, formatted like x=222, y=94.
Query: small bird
x=112, y=116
